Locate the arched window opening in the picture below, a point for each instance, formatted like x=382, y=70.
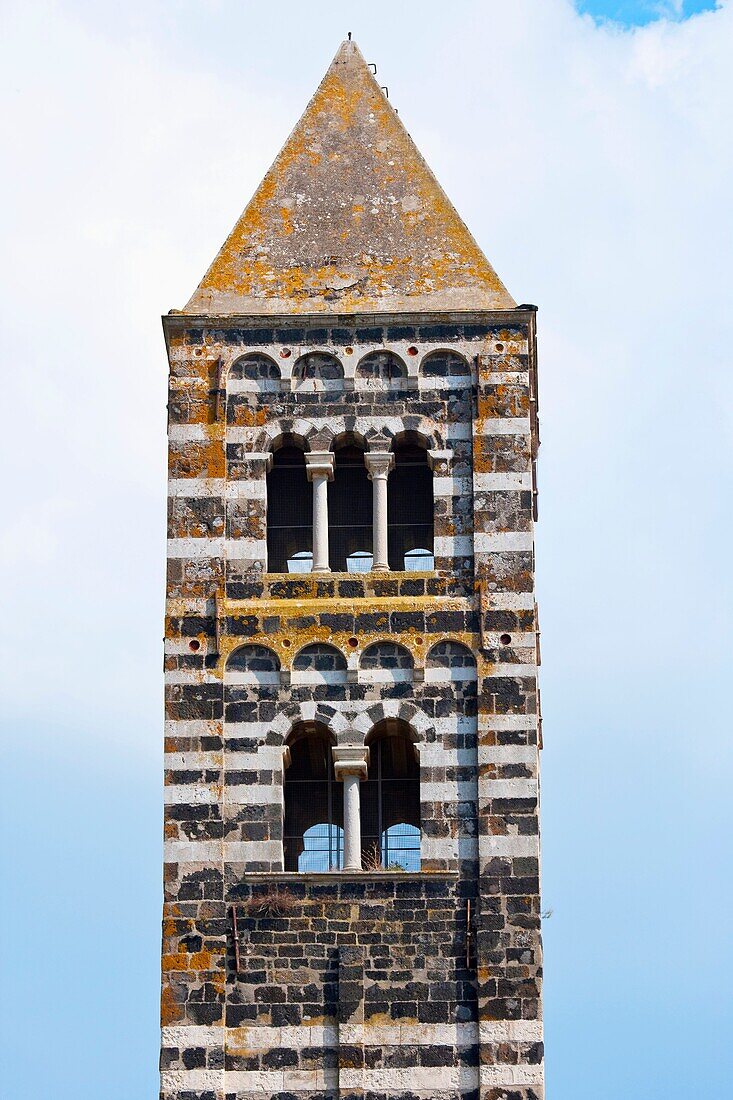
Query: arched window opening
x=253, y=664
x=318, y=371
x=323, y=848
x=302, y=562
x=256, y=372
x=401, y=847
x=349, y=508
x=289, y=512
x=313, y=835
x=444, y=364
x=381, y=368
x=360, y=561
x=419, y=560
x=390, y=800
x=409, y=505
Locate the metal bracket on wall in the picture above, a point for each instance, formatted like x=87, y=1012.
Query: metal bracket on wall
x=235, y=934
x=469, y=934
x=483, y=607
x=217, y=626
x=220, y=392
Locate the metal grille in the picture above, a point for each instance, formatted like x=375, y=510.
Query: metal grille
x=349, y=508
x=320, y=849
x=401, y=847
x=313, y=837
x=409, y=505
x=289, y=509
x=390, y=806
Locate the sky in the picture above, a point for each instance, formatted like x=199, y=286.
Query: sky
x=591, y=154
x=638, y=13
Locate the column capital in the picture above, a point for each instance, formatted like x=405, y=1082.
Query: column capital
x=319, y=464
x=350, y=760
x=378, y=463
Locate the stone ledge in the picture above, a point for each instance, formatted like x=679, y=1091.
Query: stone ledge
x=349, y=876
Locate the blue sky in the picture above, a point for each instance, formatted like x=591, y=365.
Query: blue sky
x=593, y=164
x=637, y=13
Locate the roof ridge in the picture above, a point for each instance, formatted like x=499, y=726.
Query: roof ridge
x=349, y=218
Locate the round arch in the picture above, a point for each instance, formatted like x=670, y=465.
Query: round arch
x=309, y=728
x=449, y=653
x=443, y=363
x=381, y=368
x=289, y=519
x=317, y=370
x=410, y=504
x=321, y=660
x=422, y=727
x=319, y=437
x=255, y=370
x=252, y=663
x=386, y=655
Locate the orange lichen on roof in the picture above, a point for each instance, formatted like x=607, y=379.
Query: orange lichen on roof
x=349, y=219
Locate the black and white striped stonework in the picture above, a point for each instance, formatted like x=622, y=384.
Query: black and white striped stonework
x=352, y=905
x=387, y=982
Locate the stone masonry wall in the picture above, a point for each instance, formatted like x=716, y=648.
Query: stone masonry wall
x=381, y=984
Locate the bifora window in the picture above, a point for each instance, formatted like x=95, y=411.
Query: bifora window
x=289, y=512
x=410, y=508
x=313, y=834
x=390, y=801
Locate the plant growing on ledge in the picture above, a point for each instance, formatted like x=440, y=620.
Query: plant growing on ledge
x=273, y=902
x=372, y=861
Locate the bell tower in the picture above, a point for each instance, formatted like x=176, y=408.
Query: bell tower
x=352, y=716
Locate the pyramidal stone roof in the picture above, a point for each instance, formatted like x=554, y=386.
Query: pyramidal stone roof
x=349, y=219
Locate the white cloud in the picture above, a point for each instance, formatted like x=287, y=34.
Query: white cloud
x=594, y=167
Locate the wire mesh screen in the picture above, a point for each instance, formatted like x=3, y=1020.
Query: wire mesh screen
x=313, y=837
x=321, y=848
x=390, y=806
x=349, y=508
x=289, y=509
x=419, y=560
x=401, y=847
x=409, y=505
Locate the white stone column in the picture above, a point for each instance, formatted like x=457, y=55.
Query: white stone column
x=350, y=765
x=319, y=467
x=379, y=463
